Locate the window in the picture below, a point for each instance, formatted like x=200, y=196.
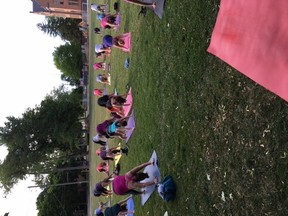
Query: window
x=73, y=2
x=58, y=2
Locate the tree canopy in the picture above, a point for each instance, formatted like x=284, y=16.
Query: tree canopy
x=68, y=59
x=67, y=29
x=39, y=135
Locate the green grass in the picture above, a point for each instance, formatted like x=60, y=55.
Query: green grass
x=214, y=130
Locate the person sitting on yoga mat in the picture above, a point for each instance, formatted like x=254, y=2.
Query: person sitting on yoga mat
x=101, y=49
x=99, y=66
x=141, y=3
x=100, y=187
x=97, y=30
x=104, y=167
x=119, y=209
x=99, y=211
x=103, y=78
x=112, y=128
x=117, y=41
x=98, y=92
x=109, y=21
x=112, y=100
x=111, y=153
x=128, y=183
x=99, y=8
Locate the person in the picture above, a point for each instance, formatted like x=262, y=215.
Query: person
x=117, y=41
x=143, y=4
x=97, y=30
x=98, y=92
x=99, y=211
x=101, y=49
x=98, y=140
x=100, y=16
x=103, y=167
x=112, y=100
x=130, y=182
x=111, y=153
x=117, y=127
x=100, y=187
x=113, y=127
x=109, y=21
x=113, y=103
x=99, y=66
x=99, y=8
x=119, y=209
x=103, y=78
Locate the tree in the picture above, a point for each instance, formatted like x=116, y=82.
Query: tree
x=64, y=199
x=37, y=137
x=67, y=29
x=68, y=59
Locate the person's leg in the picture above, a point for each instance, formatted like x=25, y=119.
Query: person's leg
x=135, y=192
x=121, y=135
x=138, y=168
x=115, y=151
x=134, y=185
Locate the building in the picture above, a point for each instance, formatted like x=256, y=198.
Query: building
x=61, y=8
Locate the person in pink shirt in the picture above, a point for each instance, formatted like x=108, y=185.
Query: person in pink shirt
x=130, y=182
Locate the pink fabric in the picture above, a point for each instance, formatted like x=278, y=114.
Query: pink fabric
x=98, y=92
x=252, y=36
x=128, y=103
x=120, y=185
x=130, y=126
x=127, y=42
x=97, y=66
x=104, y=22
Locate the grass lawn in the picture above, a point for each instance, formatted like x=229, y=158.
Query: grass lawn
x=222, y=137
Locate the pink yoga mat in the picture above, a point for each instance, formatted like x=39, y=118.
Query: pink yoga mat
x=127, y=40
x=129, y=103
x=130, y=126
x=252, y=37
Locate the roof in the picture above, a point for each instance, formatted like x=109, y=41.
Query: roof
x=37, y=7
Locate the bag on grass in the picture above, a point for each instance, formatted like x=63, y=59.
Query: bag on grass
x=167, y=189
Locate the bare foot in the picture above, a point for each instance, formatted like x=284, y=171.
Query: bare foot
x=153, y=5
x=155, y=180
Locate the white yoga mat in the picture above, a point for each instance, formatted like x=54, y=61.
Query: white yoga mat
x=152, y=171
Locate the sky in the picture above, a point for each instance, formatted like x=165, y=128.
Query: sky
x=27, y=75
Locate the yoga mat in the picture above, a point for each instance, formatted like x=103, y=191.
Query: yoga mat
x=130, y=126
x=130, y=206
x=159, y=10
x=118, y=157
x=127, y=42
x=118, y=21
x=129, y=102
x=252, y=37
x=152, y=171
